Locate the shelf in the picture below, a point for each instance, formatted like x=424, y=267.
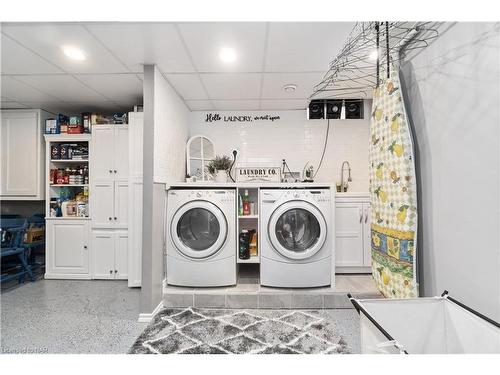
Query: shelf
x=69, y=160
x=73, y=185
x=253, y=259
x=67, y=218
x=248, y=216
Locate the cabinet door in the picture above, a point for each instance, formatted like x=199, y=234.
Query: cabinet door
x=101, y=198
x=121, y=204
x=103, y=255
x=349, y=234
x=367, y=248
x=121, y=255
x=68, y=248
x=121, y=151
x=20, y=158
x=102, y=152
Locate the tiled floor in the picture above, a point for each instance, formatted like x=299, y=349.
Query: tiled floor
x=249, y=294
x=69, y=316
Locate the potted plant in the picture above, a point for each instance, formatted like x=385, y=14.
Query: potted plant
x=219, y=167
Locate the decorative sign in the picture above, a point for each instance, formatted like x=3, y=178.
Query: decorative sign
x=258, y=174
x=217, y=117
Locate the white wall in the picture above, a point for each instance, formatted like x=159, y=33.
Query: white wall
x=294, y=138
x=453, y=96
x=171, y=118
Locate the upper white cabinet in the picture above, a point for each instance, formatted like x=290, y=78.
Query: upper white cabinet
x=352, y=235
x=109, y=151
x=22, y=155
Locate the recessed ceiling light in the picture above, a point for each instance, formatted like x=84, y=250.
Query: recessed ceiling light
x=74, y=53
x=227, y=55
x=290, y=88
x=373, y=55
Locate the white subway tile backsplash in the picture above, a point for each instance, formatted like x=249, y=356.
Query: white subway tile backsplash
x=296, y=139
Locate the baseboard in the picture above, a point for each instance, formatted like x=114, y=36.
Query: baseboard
x=147, y=317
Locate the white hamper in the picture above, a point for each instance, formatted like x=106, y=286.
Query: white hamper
x=436, y=325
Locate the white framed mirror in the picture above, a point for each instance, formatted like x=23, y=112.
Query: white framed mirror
x=199, y=152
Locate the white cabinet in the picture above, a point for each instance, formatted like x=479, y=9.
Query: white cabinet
x=22, y=155
x=109, y=151
x=68, y=249
x=135, y=199
x=109, y=254
x=109, y=187
x=352, y=235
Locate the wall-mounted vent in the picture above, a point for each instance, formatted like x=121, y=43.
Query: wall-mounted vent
x=337, y=109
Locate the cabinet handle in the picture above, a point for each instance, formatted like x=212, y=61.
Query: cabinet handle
x=110, y=171
x=84, y=246
x=114, y=171
x=110, y=218
x=116, y=271
x=110, y=272
x=116, y=218
x=360, y=215
x=366, y=216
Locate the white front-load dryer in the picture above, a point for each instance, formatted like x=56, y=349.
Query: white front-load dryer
x=296, y=240
x=201, y=238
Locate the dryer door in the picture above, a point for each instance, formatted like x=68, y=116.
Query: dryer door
x=198, y=229
x=297, y=229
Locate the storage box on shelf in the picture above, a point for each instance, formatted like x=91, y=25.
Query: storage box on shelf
x=22, y=154
x=352, y=233
x=109, y=185
x=248, y=219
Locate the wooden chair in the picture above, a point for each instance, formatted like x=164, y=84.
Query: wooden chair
x=13, y=253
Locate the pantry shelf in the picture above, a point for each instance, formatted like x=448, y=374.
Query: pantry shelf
x=248, y=216
x=69, y=161
x=63, y=185
x=253, y=259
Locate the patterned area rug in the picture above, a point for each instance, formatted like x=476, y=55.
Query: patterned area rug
x=219, y=331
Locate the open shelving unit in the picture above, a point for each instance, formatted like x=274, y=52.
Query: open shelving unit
x=54, y=190
x=249, y=222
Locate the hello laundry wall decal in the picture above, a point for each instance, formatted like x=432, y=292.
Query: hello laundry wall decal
x=240, y=118
x=393, y=193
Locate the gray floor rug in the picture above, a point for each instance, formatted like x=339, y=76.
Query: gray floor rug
x=219, y=331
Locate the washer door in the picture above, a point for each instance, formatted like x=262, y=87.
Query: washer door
x=297, y=230
x=198, y=229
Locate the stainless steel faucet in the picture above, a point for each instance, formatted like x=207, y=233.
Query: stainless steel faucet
x=349, y=179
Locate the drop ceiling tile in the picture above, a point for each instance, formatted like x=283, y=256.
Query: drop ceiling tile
x=199, y=105
x=304, y=46
x=106, y=107
x=232, y=85
x=11, y=105
x=18, y=60
x=46, y=39
x=62, y=86
x=272, y=86
x=19, y=91
x=144, y=43
x=188, y=86
x=117, y=87
x=283, y=104
x=204, y=40
x=236, y=105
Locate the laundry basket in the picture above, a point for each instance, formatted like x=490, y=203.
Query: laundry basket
x=436, y=325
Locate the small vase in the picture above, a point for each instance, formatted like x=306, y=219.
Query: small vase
x=221, y=176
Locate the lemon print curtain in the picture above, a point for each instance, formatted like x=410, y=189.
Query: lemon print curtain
x=393, y=193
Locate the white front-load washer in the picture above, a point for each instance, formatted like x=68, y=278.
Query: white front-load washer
x=201, y=238
x=296, y=240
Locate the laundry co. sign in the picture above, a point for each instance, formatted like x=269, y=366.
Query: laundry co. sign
x=239, y=118
x=258, y=174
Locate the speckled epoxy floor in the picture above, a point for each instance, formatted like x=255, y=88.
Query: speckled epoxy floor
x=70, y=316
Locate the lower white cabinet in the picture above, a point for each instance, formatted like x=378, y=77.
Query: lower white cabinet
x=352, y=235
x=109, y=254
x=68, y=249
